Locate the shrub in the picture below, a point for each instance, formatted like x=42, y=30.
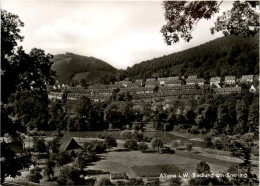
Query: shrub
x=70, y=176
x=136, y=181
x=110, y=141
x=248, y=137
x=35, y=175
x=85, y=158
x=255, y=150
x=62, y=158
x=102, y=135
x=147, y=139
x=126, y=134
x=194, y=130
x=138, y=136
x=114, y=176
x=95, y=146
x=207, y=142
x=131, y=144
x=103, y=181
x=203, y=131
x=218, y=144
x=142, y=146
x=177, y=128
x=39, y=145
x=176, y=181
x=189, y=146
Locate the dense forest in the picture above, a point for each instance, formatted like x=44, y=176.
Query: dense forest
x=223, y=56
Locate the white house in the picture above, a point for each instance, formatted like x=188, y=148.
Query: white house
x=247, y=78
x=214, y=80
x=172, y=78
x=230, y=80
x=192, y=77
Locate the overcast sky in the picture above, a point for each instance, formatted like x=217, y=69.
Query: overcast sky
x=120, y=33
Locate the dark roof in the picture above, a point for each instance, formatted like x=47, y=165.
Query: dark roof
x=68, y=143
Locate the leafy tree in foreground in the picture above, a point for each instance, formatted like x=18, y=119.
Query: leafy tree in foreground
x=11, y=165
x=19, y=72
x=182, y=17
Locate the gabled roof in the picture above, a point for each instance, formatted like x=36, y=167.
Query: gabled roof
x=68, y=143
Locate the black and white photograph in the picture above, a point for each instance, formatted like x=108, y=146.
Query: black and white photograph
x=129, y=92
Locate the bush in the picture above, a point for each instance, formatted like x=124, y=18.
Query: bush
x=70, y=176
x=138, y=136
x=207, y=142
x=102, y=136
x=136, y=181
x=103, y=181
x=255, y=150
x=110, y=142
x=131, y=144
x=126, y=134
x=62, y=158
x=176, y=181
x=203, y=131
x=95, y=146
x=142, y=146
x=189, y=146
x=90, y=181
x=35, y=175
x=85, y=158
x=177, y=128
x=194, y=130
x=218, y=144
x=147, y=139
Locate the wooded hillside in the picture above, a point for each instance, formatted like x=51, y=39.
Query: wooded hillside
x=223, y=56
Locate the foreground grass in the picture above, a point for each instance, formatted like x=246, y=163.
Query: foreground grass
x=115, y=162
x=155, y=170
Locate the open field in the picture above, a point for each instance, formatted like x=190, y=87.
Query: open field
x=123, y=162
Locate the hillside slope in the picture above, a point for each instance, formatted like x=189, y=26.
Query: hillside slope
x=71, y=66
x=223, y=56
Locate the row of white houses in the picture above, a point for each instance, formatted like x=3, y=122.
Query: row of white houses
x=165, y=81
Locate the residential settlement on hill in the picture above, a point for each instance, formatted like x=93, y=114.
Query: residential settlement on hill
x=167, y=87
